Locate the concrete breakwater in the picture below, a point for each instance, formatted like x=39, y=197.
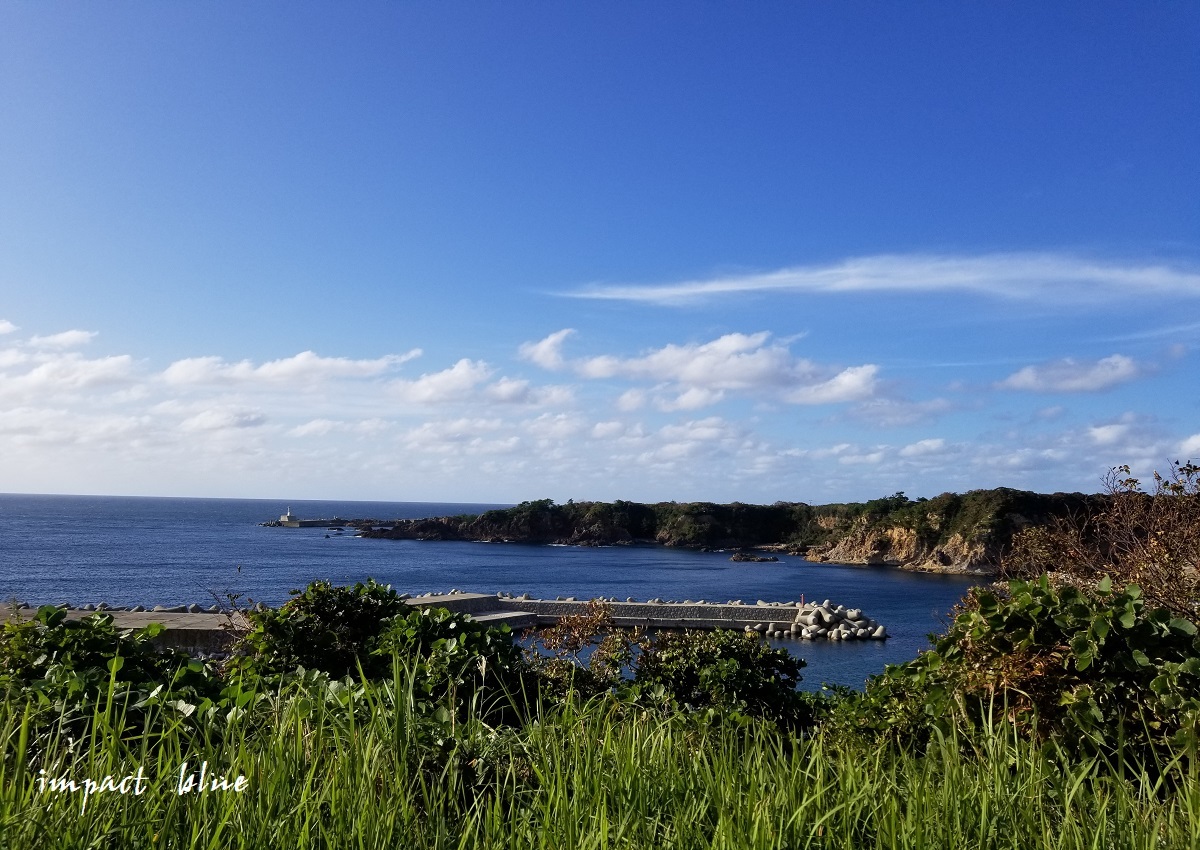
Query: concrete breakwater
x=802, y=620
x=209, y=631
x=190, y=628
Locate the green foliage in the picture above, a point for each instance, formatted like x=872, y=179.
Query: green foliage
x=724, y=670
x=1083, y=668
x=69, y=668
x=989, y=517
x=447, y=640
x=368, y=632
x=323, y=627
x=449, y=653
x=361, y=765
x=716, y=671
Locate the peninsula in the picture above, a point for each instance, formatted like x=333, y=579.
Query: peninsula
x=951, y=533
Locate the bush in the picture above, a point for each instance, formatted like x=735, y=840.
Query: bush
x=70, y=667
x=719, y=670
x=323, y=627
x=724, y=670
x=1148, y=539
x=1060, y=652
x=450, y=653
x=367, y=630
x=1084, y=668
x=585, y=652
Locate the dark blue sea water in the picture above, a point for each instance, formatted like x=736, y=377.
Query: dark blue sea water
x=149, y=551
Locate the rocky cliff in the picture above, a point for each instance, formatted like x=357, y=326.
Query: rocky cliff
x=953, y=532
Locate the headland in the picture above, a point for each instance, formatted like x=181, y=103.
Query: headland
x=951, y=533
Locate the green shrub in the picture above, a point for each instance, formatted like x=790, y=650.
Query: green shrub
x=585, y=653
x=1084, y=668
x=724, y=670
x=451, y=654
x=323, y=627
x=368, y=631
x=68, y=668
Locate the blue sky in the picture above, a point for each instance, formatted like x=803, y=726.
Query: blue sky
x=493, y=252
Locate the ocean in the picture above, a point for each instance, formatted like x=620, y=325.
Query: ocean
x=166, y=551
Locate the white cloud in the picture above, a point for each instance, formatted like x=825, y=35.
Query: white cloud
x=1074, y=376
x=461, y=429
x=7, y=327
x=865, y=458
x=853, y=384
x=733, y=361
x=692, y=398
x=315, y=428
x=223, y=420
x=607, y=430
x=509, y=390
x=520, y=391
x=76, y=423
x=40, y=426
x=923, y=447
x=458, y=437
x=453, y=384
x=1107, y=435
x=695, y=375
x=55, y=373
x=630, y=400
x=12, y=357
x=555, y=426
x=1049, y=276
x=702, y=430
x=891, y=412
x=66, y=339
x=303, y=367
x=546, y=353
x=324, y=427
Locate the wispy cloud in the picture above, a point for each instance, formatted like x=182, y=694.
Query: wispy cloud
x=547, y=352
x=892, y=412
x=1048, y=276
x=299, y=369
x=66, y=339
x=1189, y=329
x=54, y=374
x=1075, y=376
x=223, y=419
x=7, y=327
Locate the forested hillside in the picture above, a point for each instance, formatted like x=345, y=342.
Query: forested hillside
x=951, y=532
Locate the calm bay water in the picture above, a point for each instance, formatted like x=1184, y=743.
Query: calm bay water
x=150, y=551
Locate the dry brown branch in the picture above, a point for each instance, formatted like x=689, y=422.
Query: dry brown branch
x=1148, y=539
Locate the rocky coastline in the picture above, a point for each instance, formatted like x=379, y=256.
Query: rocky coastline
x=952, y=533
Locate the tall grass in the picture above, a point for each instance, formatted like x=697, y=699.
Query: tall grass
x=337, y=766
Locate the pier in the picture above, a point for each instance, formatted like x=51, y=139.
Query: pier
x=289, y=520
